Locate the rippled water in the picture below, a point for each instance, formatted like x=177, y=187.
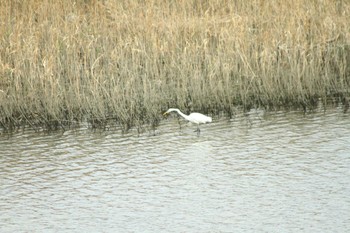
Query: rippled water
x=260, y=172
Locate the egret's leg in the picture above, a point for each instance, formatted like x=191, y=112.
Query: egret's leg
x=198, y=130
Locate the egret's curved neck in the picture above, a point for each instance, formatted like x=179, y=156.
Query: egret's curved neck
x=182, y=114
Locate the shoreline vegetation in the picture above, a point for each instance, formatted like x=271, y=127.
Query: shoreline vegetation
x=127, y=62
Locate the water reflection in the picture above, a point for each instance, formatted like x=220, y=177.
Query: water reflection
x=281, y=171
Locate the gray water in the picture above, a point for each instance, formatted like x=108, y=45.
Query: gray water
x=258, y=172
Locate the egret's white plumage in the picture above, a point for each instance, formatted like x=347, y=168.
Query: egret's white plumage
x=194, y=117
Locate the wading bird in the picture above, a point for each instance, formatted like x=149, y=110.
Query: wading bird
x=194, y=117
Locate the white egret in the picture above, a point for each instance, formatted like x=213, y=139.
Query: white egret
x=194, y=117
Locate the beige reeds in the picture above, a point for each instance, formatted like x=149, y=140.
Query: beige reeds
x=62, y=62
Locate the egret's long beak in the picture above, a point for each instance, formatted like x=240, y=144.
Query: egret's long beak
x=165, y=113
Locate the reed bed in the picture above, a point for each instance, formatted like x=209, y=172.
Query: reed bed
x=66, y=62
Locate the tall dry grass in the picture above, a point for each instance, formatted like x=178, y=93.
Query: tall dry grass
x=63, y=62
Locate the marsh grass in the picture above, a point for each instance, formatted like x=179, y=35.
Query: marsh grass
x=125, y=62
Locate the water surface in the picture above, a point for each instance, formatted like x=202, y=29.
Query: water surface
x=257, y=172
